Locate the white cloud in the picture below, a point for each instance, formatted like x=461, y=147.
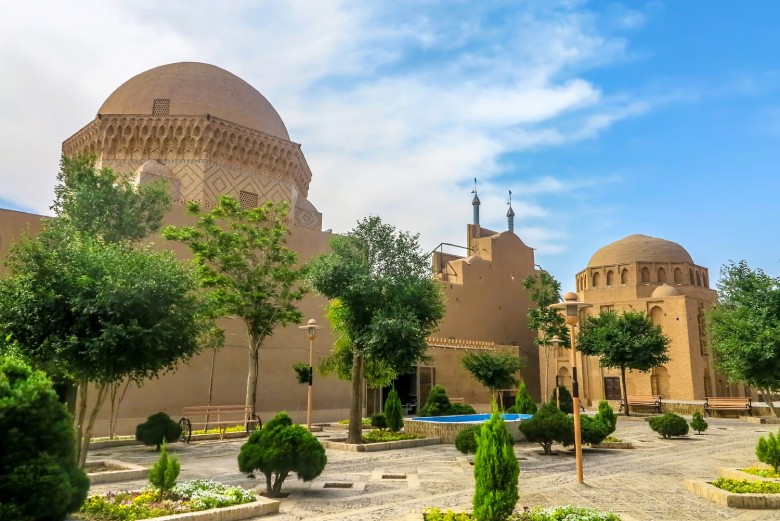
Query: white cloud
x=398, y=106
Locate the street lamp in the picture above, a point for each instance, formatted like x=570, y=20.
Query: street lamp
x=571, y=313
x=311, y=329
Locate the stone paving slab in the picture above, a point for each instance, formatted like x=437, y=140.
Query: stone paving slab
x=642, y=484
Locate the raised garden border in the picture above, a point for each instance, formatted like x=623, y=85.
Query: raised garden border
x=260, y=507
x=730, y=499
x=340, y=444
x=613, y=445
x=128, y=472
x=731, y=473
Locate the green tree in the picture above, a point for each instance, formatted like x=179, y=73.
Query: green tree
x=624, y=341
x=164, y=472
x=495, y=471
x=543, y=290
x=244, y=263
x=437, y=404
x=97, y=313
x=668, y=425
x=280, y=448
x=606, y=416
x=496, y=371
x=158, y=429
x=593, y=431
x=564, y=398
x=394, y=412
x=101, y=203
x=698, y=423
x=524, y=404
x=744, y=327
x=466, y=440
x=768, y=451
x=547, y=426
x=390, y=303
x=39, y=478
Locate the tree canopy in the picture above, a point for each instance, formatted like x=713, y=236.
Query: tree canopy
x=624, y=341
x=496, y=371
x=243, y=261
x=744, y=326
x=390, y=303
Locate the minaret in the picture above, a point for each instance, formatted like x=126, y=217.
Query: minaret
x=475, y=203
x=510, y=214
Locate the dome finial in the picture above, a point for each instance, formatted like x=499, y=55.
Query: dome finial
x=510, y=214
x=475, y=203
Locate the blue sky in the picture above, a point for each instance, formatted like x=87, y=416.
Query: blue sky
x=604, y=118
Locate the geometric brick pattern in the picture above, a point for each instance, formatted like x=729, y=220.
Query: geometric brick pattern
x=308, y=219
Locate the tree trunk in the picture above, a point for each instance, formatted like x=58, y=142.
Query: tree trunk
x=277, y=488
x=355, y=434
x=269, y=490
x=546, y=373
x=115, y=405
x=86, y=431
x=251, y=379
x=769, y=399
x=211, y=384
x=81, y=415
x=625, y=391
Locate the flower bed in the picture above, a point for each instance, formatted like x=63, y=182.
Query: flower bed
x=379, y=436
x=747, y=487
x=742, y=499
x=764, y=473
x=564, y=513
x=194, y=496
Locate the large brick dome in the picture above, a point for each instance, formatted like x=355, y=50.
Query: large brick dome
x=640, y=248
x=195, y=89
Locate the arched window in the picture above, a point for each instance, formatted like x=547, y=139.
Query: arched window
x=704, y=280
x=563, y=377
x=596, y=277
x=707, y=383
x=656, y=315
x=677, y=276
x=624, y=276
x=659, y=381
x=690, y=274
x=610, y=278
x=645, y=275
x=661, y=275
x=698, y=279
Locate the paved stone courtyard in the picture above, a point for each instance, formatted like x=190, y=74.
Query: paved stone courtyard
x=644, y=483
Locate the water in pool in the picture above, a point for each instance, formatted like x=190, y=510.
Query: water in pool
x=470, y=418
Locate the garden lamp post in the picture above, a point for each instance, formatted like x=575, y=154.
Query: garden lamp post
x=311, y=329
x=571, y=313
x=556, y=342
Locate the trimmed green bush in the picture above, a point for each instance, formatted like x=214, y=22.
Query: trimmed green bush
x=379, y=421
x=377, y=436
x=163, y=474
x=437, y=404
x=768, y=451
x=567, y=402
x=280, y=448
x=524, y=404
x=668, y=425
x=607, y=416
x=547, y=426
x=158, y=428
x=698, y=423
x=394, y=412
x=39, y=478
x=593, y=430
x=466, y=440
x=461, y=408
x=495, y=471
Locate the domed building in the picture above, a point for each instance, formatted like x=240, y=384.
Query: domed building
x=659, y=278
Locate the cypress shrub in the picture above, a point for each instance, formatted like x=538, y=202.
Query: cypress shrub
x=379, y=421
x=158, y=428
x=466, y=440
x=698, y=423
x=524, y=404
x=394, y=412
x=768, y=451
x=593, y=430
x=547, y=426
x=607, y=416
x=669, y=424
x=437, y=404
x=567, y=403
x=39, y=478
x=495, y=471
x=461, y=408
x=163, y=474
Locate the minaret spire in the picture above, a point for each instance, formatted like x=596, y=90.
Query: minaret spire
x=510, y=214
x=475, y=203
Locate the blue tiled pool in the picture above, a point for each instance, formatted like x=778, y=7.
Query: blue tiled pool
x=470, y=418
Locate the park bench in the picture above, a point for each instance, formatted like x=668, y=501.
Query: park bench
x=637, y=400
x=727, y=404
x=219, y=416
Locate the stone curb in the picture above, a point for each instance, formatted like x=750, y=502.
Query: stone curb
x=376, y=447
x=743, y=476
x=129, y=472
x=108, y=444
x=613, y=445
x=345, y=426
x=729, y=499
x=263, y=506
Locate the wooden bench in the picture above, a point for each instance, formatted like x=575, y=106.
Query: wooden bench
x=219, y=416
x=727, y=404
x=640, y=400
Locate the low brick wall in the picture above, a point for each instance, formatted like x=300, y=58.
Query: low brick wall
x=447, y=432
